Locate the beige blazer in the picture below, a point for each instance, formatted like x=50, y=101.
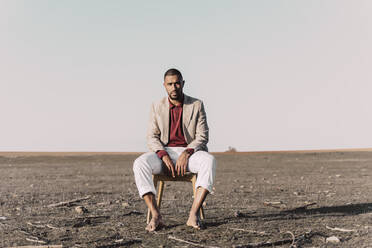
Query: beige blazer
x=194, y=124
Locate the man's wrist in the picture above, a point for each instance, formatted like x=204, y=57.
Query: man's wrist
x=161, y=153
x=189, y=151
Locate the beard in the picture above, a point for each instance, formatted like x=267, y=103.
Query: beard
x=174, y=95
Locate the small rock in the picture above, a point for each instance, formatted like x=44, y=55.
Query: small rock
x=333, y=240
x=302, y=178
x=280, y=189
x=81, y=210
x=204, y=204
x=238, y=214
x=241, y=186
x=338, y=175
x=274, y=175
x=2, y=218
x=125, y=204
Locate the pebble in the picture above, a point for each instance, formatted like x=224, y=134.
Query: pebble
x=238, y=214
x=2, y=218
x=125, y=204
x=333, y=240
x=81, y=210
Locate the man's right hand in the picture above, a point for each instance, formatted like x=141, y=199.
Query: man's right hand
x=168, y=162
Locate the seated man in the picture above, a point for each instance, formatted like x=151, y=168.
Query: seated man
x=177, y=138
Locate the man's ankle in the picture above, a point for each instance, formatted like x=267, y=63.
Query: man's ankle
x=156, y=215
x=193, y=213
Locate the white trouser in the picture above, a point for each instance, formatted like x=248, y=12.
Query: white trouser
x=201, y=162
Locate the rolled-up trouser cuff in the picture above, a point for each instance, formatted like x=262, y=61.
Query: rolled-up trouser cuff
x=146, y=190
x=207, y=187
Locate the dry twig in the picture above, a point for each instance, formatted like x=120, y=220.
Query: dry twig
x=190, y=243
x=303, y=207
x=68, y=203
x=36, y=240
x=274, y=204
x=293, y=237
x=51, y=227
x=38, y=246
x=340, y=229
x=292, y=240
x=35, y=225
x=250, y=231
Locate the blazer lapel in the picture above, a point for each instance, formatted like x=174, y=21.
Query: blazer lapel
x=186, y=112
x=164, y=116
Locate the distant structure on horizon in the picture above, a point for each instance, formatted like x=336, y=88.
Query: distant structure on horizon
x=231, y=149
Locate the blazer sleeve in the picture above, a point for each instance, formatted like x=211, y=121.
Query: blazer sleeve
x=153, y=132
x=201, y=131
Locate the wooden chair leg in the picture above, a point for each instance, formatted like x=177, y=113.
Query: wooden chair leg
x=148, y=210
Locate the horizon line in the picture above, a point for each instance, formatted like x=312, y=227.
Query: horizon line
x=87, y=153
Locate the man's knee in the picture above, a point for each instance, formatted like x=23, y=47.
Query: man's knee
x=209, y=161
x=212, y=162
x=138, y=164
x=144, y=162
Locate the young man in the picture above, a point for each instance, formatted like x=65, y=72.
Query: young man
x=177, y=138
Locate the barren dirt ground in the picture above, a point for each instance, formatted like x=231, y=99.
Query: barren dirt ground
x=258, y=201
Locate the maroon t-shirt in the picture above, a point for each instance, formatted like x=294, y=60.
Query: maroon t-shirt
x=176, y=137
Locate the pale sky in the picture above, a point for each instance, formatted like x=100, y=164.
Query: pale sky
x=273, y=75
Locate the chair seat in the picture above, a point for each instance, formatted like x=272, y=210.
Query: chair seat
x=187, y=177
x=161, y=178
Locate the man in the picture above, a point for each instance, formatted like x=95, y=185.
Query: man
x=177, y=138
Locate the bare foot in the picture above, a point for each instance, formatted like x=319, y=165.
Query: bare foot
x=194, y=221
x=156, y=222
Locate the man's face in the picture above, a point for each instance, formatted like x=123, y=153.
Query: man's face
x=174, y=86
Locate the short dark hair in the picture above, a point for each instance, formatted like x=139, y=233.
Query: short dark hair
x=172, y=72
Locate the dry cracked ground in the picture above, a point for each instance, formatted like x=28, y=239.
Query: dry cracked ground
x=259, y=200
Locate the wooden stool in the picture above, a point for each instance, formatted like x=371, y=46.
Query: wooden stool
x=188, y=177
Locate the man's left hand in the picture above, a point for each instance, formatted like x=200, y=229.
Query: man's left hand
x=181, y=163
